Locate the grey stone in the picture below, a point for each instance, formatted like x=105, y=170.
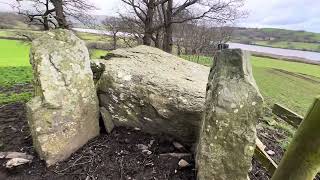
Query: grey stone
x=183, y=163
x=228, y=128
x=146, y=88
x=108, y=123
x=64, y=113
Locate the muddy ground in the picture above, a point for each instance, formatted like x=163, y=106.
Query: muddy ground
x=110, y=156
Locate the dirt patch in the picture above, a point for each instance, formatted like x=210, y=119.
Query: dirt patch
x=16, y=89
x=114, y=156
x=110, y=156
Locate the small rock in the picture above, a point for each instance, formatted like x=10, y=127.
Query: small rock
x=178, y=146
x=146, y=151
x=142, y=147
x=183, y=163
x=107, y=120
x=12, y=155
x=137, y=129
x=151, y=143
x=16, y=162
x=270, y=152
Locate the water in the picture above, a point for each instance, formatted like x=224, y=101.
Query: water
x=312, y=56
x=103, y=32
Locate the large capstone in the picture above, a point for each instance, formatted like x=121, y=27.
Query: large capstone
x=228, y=129
x=64, y=113
x=146, y=88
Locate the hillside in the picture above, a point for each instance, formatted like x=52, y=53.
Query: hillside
x=280, y=38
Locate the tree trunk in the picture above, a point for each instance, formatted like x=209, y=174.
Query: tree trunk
x=167, y=41
x=46, y=23
x=302, y=159
x=60, y=17
x=114, y=40
x=148, y=24
x=157, y=40
x=179, y=49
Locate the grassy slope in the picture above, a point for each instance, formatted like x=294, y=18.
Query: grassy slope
x=289, y=39
x=97, y=53
x=14, y=64
x=295, y=92
x=14, y=69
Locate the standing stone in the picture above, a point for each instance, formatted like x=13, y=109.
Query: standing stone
x=228, y=129
x=64, y=113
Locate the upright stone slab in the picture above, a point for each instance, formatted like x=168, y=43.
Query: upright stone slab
x=64, y=113
x=228, y=129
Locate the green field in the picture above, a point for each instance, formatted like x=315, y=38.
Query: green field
x=289, y=83
x=14, y=69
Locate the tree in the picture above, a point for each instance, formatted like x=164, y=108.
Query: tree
x=60, y=14
x=171, y=11
x=53, y=13
x=145, y=10
x=114, y=25
x=41, y=13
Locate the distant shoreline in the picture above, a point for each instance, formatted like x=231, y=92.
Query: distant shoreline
x=285, y=58
x=307, y=50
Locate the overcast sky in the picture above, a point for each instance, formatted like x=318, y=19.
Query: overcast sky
x=288, y=14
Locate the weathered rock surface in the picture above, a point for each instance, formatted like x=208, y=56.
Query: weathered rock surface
x=154, y=91
x=64, y=113
x=228, y=128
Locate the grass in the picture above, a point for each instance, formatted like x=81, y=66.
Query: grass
x=204, y=60
x=90, y=37
x=14, y=69
x=97, y=53
x=297, y=93
x=12, y=98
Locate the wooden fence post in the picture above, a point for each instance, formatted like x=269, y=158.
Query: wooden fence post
x=302, y=159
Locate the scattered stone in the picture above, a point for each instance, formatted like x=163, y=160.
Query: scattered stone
x=233, y=106
x=183, y=163
x=176, y=155
x=107, y=120
x=167, y=99
x=270, y=152
x=16, y=162
x=64, y=114
x=178, y=146
x=146, y=151
x=12, y=155
x=142, y=147
x=151, y=143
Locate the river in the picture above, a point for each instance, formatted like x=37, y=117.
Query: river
x=303, y=55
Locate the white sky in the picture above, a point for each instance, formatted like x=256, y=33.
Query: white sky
x=288, y=14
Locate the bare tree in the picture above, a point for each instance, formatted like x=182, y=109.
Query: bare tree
x=200, y=38
x=53, y=13
x=114, y=25
x=172, y=11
